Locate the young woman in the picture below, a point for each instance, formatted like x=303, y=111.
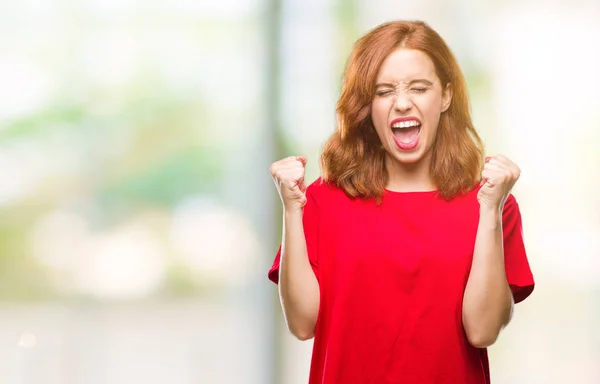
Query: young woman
x=404, y=260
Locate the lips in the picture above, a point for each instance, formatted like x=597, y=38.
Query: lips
x=406, y=132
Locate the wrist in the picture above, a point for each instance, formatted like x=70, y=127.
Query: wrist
x=293, y=212
x=491, y=216
x=491, y=209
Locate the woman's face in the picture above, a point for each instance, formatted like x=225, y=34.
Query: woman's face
x=407, y=105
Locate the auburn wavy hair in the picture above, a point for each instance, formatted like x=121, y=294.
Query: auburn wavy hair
x=353, y=158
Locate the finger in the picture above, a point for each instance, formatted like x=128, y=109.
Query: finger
x=291, y=182
x=293, y=159
x=283, y=176
x=291, y=173
x=501, y=171
x=279, y=163
x=487, y=177
x=301, y=159
x=508, y=163
x=503, y=158
x=496, y=160
x=504, y=162
x=295, y=167
x=497, y=175
x=287, y=160
x=496, y=167
x=293, y=176
x=486, y=160
x=302, y=185
x=499, y=158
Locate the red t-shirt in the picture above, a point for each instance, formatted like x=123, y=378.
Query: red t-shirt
x=392, y=279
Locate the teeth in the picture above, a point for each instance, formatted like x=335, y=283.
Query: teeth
x=406, y=124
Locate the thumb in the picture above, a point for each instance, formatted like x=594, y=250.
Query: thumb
x=301, y=159
x=302, y=186
x=484, y=179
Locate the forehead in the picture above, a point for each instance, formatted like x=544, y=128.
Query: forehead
x=406, y=65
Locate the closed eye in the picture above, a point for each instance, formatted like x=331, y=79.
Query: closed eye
x=384, y=93
x=419, y=90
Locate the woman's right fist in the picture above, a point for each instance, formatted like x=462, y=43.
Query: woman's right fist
x=288, y=175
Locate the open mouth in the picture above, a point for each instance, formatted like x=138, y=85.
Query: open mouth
x=406, y=133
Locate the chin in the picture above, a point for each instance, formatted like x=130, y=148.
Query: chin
x=406, y=157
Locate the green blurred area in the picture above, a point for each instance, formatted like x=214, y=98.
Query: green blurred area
x=145, y=151
x=137, y=214
x=137, y=138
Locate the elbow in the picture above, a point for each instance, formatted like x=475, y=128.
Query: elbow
x=481, y=330
x=301, y=328
x=302, y=333
x=304, y=336
x=480, y=333
x=480, y=339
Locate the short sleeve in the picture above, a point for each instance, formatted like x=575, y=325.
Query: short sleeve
x=518, y=272
x=310, y=221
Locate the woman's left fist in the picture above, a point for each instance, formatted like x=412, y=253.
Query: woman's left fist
x=498, y=177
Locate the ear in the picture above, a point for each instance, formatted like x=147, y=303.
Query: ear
x=446, y=97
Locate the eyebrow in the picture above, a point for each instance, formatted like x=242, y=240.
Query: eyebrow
x=424, y=81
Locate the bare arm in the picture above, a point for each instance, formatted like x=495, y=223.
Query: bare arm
x=488, y=301
x=298, y=285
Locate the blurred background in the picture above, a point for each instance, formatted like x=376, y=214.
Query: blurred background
x=137, y=215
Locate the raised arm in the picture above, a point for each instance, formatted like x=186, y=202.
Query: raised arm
x=298, y=285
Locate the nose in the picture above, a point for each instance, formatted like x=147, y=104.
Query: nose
x=403, y=102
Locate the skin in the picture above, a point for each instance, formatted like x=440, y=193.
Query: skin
x=488, y=301
x=406, y=85
x=299, y=292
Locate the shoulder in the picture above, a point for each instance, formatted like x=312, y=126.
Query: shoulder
x=323, y=192
x=322, y=187
x=511, y=202
x=511, y=211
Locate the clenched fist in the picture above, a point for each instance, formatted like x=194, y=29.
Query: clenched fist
x=288, y=175
x=498, y=177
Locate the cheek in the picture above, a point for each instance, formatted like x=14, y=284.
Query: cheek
x=379, y=117
x=432, y=109
x=379, y=113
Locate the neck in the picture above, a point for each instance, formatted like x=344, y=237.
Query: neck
x=413, y=177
